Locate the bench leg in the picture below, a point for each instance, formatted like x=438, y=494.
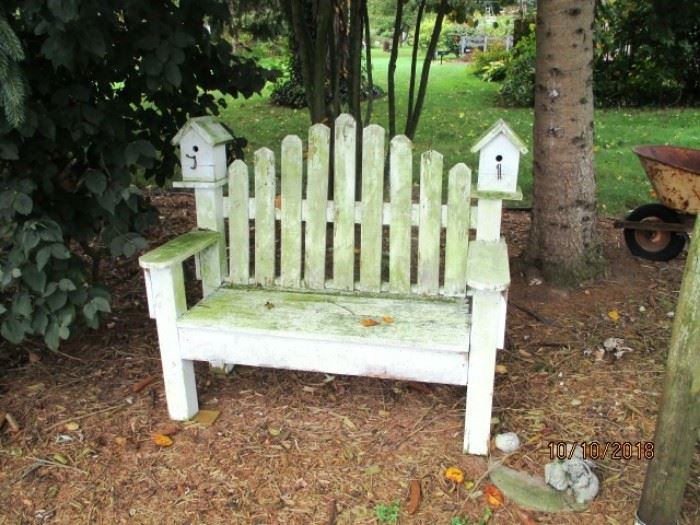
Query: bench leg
x=482, y=364
x=168, y=295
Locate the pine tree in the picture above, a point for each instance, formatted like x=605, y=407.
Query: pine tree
x=13, y=85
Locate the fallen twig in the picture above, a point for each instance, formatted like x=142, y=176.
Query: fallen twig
x=89, y=414
x=532, y=313
x=143, y=384
x=14, y=426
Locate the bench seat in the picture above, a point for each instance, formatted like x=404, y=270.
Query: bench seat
x=428, y=339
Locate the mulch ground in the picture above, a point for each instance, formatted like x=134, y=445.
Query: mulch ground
x=291, y=447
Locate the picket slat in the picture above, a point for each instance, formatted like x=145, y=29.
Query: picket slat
x=344, y=197
x=317, y=201
x=457, y=232
x=429, y=222
x=292, y=166
x=265, y=216
x=238, y=229
x=400, y=183
x=372, y=201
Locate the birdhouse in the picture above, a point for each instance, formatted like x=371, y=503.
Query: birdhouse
x=202, y=142
x=499, y=158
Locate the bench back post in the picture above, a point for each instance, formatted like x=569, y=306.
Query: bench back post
x=202, y=142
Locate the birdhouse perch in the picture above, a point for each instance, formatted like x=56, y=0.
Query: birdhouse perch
x=499, y=158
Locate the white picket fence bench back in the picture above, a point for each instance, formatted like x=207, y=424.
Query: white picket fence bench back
x=316, y=321
x=306, y=265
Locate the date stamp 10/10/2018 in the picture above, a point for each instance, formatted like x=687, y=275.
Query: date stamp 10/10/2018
x=598, y=450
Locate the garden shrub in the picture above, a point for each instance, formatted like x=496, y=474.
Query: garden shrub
x=110, y=84
x=518, y=88
x=491, y=65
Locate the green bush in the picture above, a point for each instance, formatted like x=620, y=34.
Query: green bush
x=110, y=86
x=491, y=65
x=518, y=88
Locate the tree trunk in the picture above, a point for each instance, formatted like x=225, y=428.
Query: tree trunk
x=368, y=61
x=563, y=241
x=391, y=86
x=679, y=419
x=414, y=61
x=414, y=116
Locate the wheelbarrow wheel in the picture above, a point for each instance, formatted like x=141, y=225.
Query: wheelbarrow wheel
x=654, y=245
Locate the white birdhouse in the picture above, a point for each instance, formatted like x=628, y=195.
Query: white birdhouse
x=499, y=158
x=202, y=143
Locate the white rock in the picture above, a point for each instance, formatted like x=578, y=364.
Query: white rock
x=507, y=442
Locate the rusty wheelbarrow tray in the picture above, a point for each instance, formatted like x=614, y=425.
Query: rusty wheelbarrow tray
x=659, y=231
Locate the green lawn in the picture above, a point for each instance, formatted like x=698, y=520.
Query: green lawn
x=459, y=108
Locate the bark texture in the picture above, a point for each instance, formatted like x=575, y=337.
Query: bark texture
x=563, y=242
x=679, y=419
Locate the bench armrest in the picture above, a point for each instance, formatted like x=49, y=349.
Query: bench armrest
x=487, y=266
x=179, y=249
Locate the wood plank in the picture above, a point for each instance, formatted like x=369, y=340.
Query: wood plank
x=344, y=198
x=386, y=213
x=401, y=182
x=361, y=358
x=176, y=250
x=372, y=201
x=316, y=206
x=489, y=219
x=487, y=266
x=482, y=364
x=292, y=165
x=457, y=232
x=265, y=216
x=429, y=227
x=238, y=227
x=424, y=322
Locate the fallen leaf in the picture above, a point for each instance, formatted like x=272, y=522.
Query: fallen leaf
x=278, y=202
x=614, y=315
x=33, y=358
x=162, y=440
x=469, y=484
x=501, y=369
x=60, y=458
x=372, y=470
x=414, y=496
x=274, y=432
x=206, y=418
x=348, y=423
x=454, y=474
x=368, y=322
x=71, y=426
x=525, y=517
x=168, y=429
x=119, y=440
x=493, y=496
x=388, y=319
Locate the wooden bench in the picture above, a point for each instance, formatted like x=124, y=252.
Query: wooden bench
x=303, y=296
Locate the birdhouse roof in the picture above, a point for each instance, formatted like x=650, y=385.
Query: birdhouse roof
x=500, y=127
x=210, y=129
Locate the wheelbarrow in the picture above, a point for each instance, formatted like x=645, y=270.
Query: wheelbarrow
x=658, y=232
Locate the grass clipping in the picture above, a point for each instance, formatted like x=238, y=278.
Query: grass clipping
x=533, y=493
